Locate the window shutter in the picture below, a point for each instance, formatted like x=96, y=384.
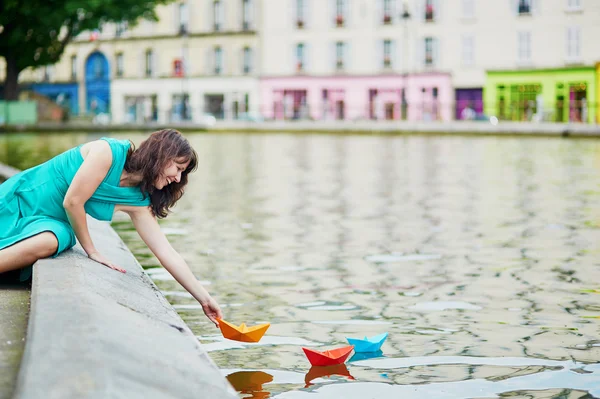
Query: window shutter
x=347, y=13
x=176, y=19
x=307, y=59
x=210, y=19
x=420, y=49
x=577, y=42
x=347, y=56
x=292, y=9
x=514, y=4
x=379, y=55
x=437, y=61
x=332, y=13
x=379, y=12
x=437, y=10
x=209, y=61
x=307, y=9
x=332, y=56
x=142, y=62
x=419, y=10
x=535, y=7
x=154, y=64
x=251, y=14
x=223, y=15
x=395, y=54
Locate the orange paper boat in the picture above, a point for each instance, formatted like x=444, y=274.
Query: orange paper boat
x=328, y=358
x=242, y=333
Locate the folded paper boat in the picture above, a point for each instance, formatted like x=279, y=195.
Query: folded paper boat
x=372, y=344
x=328, y=358
x=242, y=333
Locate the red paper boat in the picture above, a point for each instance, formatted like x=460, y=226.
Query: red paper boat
x=328, y=358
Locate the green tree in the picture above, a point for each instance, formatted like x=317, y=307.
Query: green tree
x=35, y=32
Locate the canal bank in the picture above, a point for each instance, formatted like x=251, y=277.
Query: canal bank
x=93, y=332
x=477, y=128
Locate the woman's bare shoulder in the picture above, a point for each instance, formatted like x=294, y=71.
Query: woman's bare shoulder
x=96, y=145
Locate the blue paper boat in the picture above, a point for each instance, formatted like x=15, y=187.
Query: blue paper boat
x=372, y=344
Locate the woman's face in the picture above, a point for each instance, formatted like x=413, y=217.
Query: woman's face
x=171, y=173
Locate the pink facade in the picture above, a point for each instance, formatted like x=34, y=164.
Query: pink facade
x=428, y=97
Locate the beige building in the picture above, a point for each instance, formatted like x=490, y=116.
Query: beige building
x=200, y=58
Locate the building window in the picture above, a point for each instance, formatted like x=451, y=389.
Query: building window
x=388, y=11
x=468, y=50
x=183, y=18
x=119, y=63
x=217, y=16
x=429, y=11
x=468, y=8
x=300, y=57
x=247, y=60
x=573, y=43
x=429, y=58
x=524, y=7
x=74, y=67
x=218, y=60
x=387, y=53
x=120, y=28
x=149, y=60
x=48, y=73
x=340, y=13
x=524, y=46
x=246, y=14
x=300, y=13
x=340, y=50
x=574, y=5
x=180, y=110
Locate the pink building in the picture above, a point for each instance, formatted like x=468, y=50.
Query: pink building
x=429, y=96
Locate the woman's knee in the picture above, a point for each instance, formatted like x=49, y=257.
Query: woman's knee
x=46, y=245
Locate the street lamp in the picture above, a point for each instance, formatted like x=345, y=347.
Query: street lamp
x=405, y=16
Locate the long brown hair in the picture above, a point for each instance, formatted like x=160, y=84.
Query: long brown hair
x=149, y=160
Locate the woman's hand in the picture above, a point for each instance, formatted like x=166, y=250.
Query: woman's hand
x=95, y=256
x=211, y=310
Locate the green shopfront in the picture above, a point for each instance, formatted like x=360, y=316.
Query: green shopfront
x=551, y=95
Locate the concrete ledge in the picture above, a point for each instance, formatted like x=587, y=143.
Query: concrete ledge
x=96, y=333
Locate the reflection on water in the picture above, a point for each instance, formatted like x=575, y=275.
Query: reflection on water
x=250, y=382
x=326, y=371
x=470, y=252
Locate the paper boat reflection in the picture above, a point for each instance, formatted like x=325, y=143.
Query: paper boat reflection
x=372, y=344
x=242, y=333
x=250, y=382
x=365, y=356
x=326, y=371
x=328, y=358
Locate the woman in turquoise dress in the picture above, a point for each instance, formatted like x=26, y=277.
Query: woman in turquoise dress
x=43, y=209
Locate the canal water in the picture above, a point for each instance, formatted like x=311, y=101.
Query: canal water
x=480, y=256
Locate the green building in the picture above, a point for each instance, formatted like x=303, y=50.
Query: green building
x=551, y=95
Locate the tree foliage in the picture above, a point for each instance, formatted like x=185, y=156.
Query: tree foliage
x=35, y=32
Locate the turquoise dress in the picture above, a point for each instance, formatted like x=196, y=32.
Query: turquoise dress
x=31, y=202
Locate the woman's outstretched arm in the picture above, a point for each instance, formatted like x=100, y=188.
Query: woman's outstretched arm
x=147, y=227
x=90, y=174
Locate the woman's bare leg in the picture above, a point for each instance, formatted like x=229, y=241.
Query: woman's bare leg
x=28, y=251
